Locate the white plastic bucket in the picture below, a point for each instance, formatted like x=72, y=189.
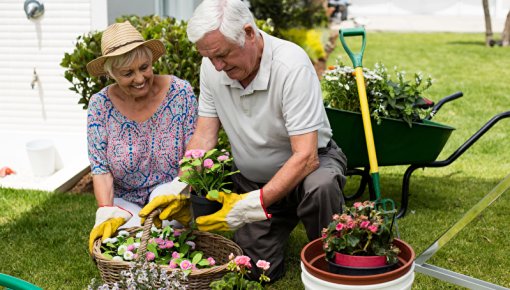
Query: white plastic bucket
x=41, y=154
x=312, y=283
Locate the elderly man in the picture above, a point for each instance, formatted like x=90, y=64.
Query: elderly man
x=265, y=93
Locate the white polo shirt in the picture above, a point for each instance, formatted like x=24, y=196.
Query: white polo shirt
x=284, y=99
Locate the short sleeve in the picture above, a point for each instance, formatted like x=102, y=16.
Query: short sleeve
x=302, y=101
x=96, y=134
x=206, y=106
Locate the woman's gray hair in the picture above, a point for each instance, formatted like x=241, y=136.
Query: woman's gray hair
x=229, y=16
x=126, y=59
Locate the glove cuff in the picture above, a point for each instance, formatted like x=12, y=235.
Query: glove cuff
x=107, y=212
x=268, y=215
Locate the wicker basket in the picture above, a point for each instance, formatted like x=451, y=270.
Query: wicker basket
x=212, y=245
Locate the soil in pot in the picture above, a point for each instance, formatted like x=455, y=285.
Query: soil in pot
x=202, y=206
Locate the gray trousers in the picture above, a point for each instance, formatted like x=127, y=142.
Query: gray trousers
x=313, y=201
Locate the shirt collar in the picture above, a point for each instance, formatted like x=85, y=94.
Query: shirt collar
x=261, y=80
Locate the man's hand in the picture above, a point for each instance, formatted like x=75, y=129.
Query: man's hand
x=108, y=220
x=173, y=198
x=237, y=210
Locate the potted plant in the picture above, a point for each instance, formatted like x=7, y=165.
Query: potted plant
x=345, y=254
x=208, y=173
x=398, y=111
x=360, y=240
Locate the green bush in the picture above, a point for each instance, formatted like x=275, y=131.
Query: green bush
x=309, y=40
x=182, y=59
x=288, y=14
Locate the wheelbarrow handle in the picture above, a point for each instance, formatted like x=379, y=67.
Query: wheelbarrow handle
x=443, y=101
x=356, y=58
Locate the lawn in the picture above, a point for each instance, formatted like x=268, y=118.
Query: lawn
x=44, y=235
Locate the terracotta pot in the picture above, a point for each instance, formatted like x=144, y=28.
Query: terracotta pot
x=202, y=206
x=314, y=262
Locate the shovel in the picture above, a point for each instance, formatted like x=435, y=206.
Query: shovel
x=387, y=205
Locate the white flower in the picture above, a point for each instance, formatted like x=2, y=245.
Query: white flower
x=123, y=233
x=137, y=245
x=139, y=235
x=117, y=259
x=155, y=230
x=128, y=255
x=346, y=87
x=122, y=249
x=110, y=240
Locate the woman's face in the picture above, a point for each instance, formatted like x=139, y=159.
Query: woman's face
x=135, y=80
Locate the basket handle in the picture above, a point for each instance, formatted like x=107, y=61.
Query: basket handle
x=147, y=233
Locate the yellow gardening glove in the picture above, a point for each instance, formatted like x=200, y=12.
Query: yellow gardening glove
x=108, y=220
x=237, y=210
x=173, y=198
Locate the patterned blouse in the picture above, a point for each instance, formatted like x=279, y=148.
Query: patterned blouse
x=140, y=156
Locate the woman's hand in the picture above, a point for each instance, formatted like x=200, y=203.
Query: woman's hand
x=108, y=220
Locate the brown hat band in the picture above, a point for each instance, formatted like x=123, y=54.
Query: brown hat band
x=112, y=49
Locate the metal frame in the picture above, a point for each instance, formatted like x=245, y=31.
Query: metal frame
x=453, y=277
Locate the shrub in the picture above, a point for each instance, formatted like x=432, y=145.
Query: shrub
x=182, y=59
x=309, y=40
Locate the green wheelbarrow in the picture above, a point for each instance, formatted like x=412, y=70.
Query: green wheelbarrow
x=398, y=144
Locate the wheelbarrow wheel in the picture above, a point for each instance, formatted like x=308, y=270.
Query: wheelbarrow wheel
x=364, y=174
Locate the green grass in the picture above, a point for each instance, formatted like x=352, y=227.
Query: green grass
x=44, y=235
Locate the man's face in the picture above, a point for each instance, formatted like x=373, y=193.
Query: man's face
x=239, y=63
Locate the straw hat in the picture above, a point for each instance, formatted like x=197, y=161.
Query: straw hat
x=118, y=39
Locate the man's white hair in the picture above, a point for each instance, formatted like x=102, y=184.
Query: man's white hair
x=229, y=16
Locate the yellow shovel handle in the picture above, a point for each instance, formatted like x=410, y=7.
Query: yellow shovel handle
x=367, y=125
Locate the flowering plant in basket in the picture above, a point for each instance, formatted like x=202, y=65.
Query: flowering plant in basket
x=398, y=98
x=239, y=267
x=361, y=230
x=207, y=171
x=167, y=246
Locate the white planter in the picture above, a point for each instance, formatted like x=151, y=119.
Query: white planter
x=312, y=283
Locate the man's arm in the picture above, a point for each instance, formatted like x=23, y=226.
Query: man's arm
x=206, y=134
x=303, y=161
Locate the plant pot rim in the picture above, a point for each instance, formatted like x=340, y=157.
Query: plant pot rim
x=313, y=253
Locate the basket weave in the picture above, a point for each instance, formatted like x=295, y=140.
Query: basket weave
x=212, y=245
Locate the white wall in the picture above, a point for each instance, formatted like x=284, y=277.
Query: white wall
x=50, y=110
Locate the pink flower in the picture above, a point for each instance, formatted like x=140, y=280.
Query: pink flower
x=176, y=255
x=373, y=228
x=186, y=265
x=364, y=224
x=208, y=163
x=264, y=265
x=336, y=217
x=222, y=158
x=231, y=256
x=358, y=205
x=177, y=233
x=172, y=264
x=339, y=226
x=188, y=153
x=197, y=153
x=242, y=261
x=211, y=260
x=131, y=247
x=150, y=256
x=169, y=244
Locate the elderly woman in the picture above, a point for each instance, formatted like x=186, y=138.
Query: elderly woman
x=137, y=129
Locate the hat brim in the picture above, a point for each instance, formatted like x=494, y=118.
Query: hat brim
x=96, y=67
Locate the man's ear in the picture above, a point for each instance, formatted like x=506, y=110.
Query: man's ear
x=250, y=32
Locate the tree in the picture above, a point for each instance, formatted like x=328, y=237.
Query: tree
x=505, y=36
x=488, y=26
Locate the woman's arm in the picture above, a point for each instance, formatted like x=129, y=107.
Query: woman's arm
x=103, y=189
